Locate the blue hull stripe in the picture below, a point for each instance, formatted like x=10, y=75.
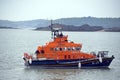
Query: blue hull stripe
x=72, y=63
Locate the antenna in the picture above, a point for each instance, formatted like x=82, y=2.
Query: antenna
x=55, y=28
x=51, y=24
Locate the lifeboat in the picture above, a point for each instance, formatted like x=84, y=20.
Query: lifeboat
x=62, y=53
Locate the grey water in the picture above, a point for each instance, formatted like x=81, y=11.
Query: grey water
x=14, y=42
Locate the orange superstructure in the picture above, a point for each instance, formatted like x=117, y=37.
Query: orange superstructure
x=61, y=48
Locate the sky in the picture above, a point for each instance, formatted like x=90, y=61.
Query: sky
x=20, y=10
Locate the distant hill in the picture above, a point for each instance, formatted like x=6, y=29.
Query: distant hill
x=7, y=28
x=76, y=21
x=24, y=24
x=92, y=21
x=84, y=27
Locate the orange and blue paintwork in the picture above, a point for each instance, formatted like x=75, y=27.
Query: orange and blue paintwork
x=62, y=53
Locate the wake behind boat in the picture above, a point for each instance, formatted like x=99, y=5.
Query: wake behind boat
x=62, y=53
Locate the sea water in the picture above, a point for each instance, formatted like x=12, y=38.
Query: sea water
x=14, y=42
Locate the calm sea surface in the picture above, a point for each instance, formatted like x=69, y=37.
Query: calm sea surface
x=13, y=43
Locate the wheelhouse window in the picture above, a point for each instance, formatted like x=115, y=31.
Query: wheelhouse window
x=60, y=49
x=56, y=49
x=78, y=48
x=68, y=48
x=64, y=49
x=73, y=48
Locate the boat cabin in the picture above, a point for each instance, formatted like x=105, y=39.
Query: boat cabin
x=61, y=48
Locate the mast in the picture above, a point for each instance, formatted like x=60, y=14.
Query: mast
x=55, y=28
x=51, y=24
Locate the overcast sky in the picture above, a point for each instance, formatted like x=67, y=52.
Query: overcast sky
x=19, y=10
